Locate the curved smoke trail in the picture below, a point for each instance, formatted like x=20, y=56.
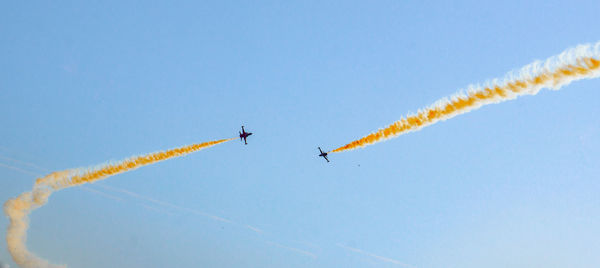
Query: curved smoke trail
x=18, y=209
x=574, y=64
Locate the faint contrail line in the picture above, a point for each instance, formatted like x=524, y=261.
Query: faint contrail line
x=167, y=204
x=385, y=259
x=24, y=163
x=19, y=169
x=92, y=190
x=303, y=252
x=157, y=209
x=256, y=230
x=19, y=208
x=573, y=64
x=180, y=208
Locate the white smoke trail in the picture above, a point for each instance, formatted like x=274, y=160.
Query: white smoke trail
x=581, y=62
x=18, y=209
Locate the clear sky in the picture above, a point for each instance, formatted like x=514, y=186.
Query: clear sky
x=508, y=185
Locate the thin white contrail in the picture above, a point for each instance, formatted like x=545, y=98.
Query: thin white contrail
x=100, y=193
x=158, y=210
x=257, y=230
x=381, y=258
x=177, y=207
x=32, y=165
x=297, y=250
x=19, y=169
x=166, y=204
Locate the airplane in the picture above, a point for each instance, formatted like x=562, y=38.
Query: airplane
x=324, y=155
x=244, y=135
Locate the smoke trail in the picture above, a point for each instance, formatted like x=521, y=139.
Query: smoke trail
x=574, y=64
x=18, y=209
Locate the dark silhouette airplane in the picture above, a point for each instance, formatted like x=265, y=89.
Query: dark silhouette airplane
x=244, y=135
x=324, y=155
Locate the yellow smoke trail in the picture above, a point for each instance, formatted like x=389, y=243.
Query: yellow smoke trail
x=19, y=208
x=574, y=64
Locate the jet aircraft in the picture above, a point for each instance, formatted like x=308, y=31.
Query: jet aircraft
x=244, y=135
x=324, y=155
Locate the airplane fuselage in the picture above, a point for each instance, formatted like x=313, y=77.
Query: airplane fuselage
x=323, y=154
x=244, y=135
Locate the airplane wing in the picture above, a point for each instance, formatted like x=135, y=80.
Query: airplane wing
x=245, y=140
x=326, y=158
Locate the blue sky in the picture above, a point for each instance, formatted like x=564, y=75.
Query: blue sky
x=508, y=185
